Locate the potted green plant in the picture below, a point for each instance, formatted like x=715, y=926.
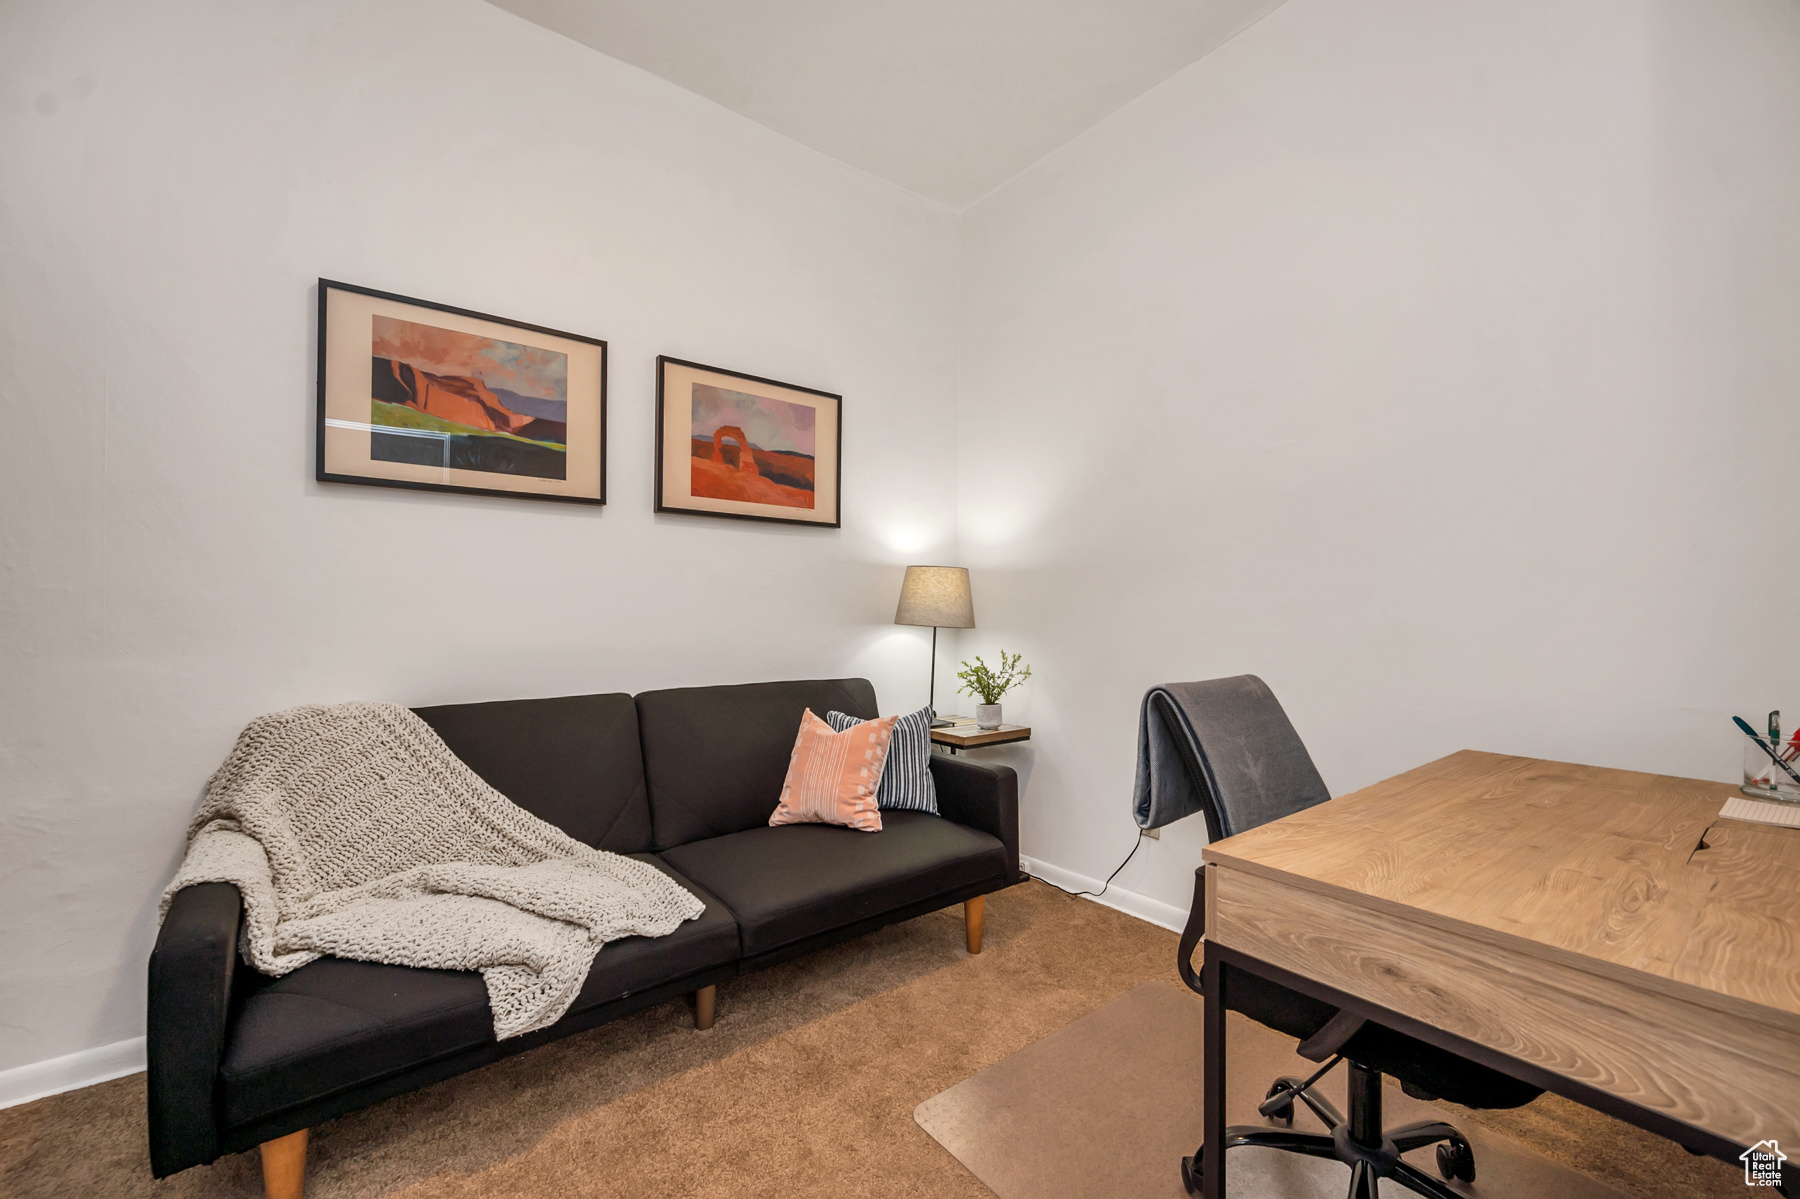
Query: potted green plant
x=991, y=684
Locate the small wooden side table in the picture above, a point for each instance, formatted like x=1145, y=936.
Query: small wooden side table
x=966, y=735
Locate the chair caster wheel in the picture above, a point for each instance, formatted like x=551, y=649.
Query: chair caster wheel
x=1455, y=1159
x=1190, y=1175
x=1285, y=1113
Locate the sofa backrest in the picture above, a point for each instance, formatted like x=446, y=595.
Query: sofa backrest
x=574, y=761
x=715, y=757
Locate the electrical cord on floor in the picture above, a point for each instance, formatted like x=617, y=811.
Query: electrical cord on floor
x=1109, y=878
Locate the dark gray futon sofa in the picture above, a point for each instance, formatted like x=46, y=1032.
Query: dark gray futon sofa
x=684, y=779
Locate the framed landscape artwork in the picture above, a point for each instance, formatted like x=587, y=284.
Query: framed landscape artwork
x=415, y=394
x=736, y=445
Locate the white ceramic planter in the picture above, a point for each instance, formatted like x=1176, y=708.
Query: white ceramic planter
x=987, y=716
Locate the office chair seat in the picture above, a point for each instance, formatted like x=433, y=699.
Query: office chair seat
x=1423, y=1069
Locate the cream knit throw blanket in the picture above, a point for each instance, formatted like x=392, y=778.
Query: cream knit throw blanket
x=352, y=830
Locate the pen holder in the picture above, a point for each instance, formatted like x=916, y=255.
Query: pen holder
x=1765, y=780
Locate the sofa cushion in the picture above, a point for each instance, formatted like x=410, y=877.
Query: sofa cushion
x=573, y=761
x=832, y=776
x=715, y=756
x=788, y=882
x=335, y=1024
x=906, y=778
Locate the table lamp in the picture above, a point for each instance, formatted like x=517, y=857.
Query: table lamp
x=937, y=596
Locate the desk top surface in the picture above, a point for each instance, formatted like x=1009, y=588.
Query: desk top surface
x=1635, y=870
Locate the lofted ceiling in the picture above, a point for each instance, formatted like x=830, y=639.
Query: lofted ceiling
x=949, y=98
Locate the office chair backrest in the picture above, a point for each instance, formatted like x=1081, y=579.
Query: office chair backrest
x=1240, y=750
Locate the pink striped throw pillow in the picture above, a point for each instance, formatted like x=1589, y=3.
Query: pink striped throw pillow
x=832, y=777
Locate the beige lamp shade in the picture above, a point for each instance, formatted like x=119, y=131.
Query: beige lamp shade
x=937, y=596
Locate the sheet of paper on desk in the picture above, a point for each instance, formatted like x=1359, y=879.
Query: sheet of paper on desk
x=1738, y=807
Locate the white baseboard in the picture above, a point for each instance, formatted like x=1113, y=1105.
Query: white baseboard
x=70, y=1072
x=1163, y=915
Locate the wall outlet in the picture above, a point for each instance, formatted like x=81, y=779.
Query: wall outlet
x=1155, y=834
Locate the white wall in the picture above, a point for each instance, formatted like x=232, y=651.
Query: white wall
x=173, y=178
x=1440, y=363
x=1437, y=362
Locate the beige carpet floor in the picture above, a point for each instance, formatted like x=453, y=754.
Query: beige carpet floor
x=806, y=1087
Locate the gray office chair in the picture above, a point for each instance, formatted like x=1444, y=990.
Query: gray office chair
x=1248, y=766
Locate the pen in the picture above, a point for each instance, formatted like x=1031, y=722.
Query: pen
x=1791, y=750
x=1773, y=756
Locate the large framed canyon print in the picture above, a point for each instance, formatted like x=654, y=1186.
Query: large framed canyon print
x=416, y=394
x=736, y=445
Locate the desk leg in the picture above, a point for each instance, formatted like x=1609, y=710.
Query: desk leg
x=1212, y=1073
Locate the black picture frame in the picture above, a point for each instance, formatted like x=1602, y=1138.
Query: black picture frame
x=325, y=460
x=665, y=501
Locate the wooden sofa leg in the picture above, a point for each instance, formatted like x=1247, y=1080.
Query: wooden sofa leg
x=972, y=913
x=284, y=1166
x=705, y=1000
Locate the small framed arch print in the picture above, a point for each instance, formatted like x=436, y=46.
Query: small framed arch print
x=741, y=446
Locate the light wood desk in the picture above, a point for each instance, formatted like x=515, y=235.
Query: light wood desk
x=1600, y=933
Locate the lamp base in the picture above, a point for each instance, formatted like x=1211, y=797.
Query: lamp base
x=938, y=722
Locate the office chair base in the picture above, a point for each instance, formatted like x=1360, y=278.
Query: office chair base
x=1364, y=1170
x=1375, y=1157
